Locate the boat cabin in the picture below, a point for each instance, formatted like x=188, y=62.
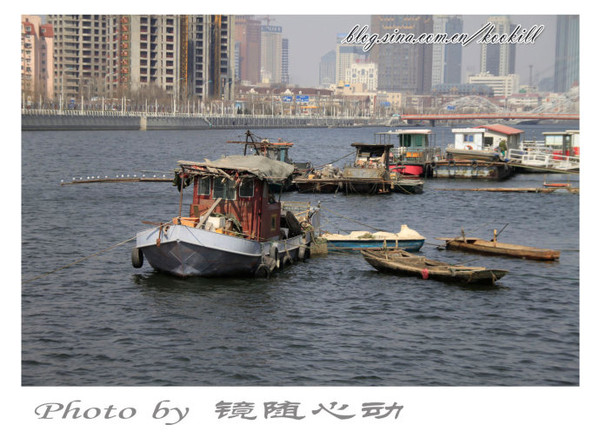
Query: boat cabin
x=231, y=195
x=411, y=146
x=564, y=143
x=417, y=138
x=469, y=138
x=274, y=151
x=372, y=155
x=497, y=135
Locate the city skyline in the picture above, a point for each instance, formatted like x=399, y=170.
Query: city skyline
x=307, y=48
x=287, y=41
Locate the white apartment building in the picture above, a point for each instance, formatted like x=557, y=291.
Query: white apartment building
x=501, y=85
x=362, y=73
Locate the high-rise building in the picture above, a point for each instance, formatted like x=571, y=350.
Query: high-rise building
x=499, y=59
x=37, y=66
x=271, y=54
x=211, y=48
x=566, y=66
x=403, y=67
x=80, y=51
x=285, y=63
x=327, y=69
x=446, y=58
x=345, y=56
x=247, y=37
x=142, y=51
x=116, y=55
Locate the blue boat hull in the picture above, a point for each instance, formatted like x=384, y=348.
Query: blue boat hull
x=356, y=245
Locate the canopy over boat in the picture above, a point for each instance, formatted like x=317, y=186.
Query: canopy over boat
x=259, y=166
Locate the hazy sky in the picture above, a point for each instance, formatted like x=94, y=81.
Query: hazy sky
x=312, y=36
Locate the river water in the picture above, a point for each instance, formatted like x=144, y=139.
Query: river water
x=332, y=321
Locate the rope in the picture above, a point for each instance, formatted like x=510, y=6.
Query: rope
x=353, y=220
x=79, y=261
x=335, y=161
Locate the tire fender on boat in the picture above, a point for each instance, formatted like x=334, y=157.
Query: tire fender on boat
x=274, y=254
x=286, y=261
x=137, y=258
x=262, y=271
x=303, y=251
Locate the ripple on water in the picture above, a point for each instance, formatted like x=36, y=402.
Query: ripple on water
x=333, y=320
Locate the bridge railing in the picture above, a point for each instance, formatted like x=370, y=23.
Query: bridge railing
x=475, y=116
x=120, y=113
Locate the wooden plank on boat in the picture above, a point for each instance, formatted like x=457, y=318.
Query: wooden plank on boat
x=205, y=216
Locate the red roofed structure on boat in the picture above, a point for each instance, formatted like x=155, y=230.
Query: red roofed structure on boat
x=502, y=129
x=496, y=134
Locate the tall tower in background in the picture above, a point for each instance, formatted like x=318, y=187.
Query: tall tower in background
x=247, y=37
x=120, y=55
x=143, y=51
x=499, y=59
x=80, y=51
x=566, y=65
x=345, y=56
x=285, y=61
x=271, y=54
x=37, y=66
x=446, y=58
x=327, y=69
x=403, y=67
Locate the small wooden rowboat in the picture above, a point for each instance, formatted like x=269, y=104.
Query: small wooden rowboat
x=399, y=262
x=493, y=247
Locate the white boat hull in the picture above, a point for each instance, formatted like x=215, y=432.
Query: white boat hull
x=184, y=251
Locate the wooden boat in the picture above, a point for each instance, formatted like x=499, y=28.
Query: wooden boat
x=406, y=184
x=407, y=239
x=369, y=174
x=412, y=150
x=278, y=151
x=235, y=226
x=493, y=247
x=399, y=262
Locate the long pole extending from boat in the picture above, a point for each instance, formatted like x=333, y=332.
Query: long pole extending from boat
x=116, y=180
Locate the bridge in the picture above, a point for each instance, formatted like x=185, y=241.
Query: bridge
x=488, y=116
